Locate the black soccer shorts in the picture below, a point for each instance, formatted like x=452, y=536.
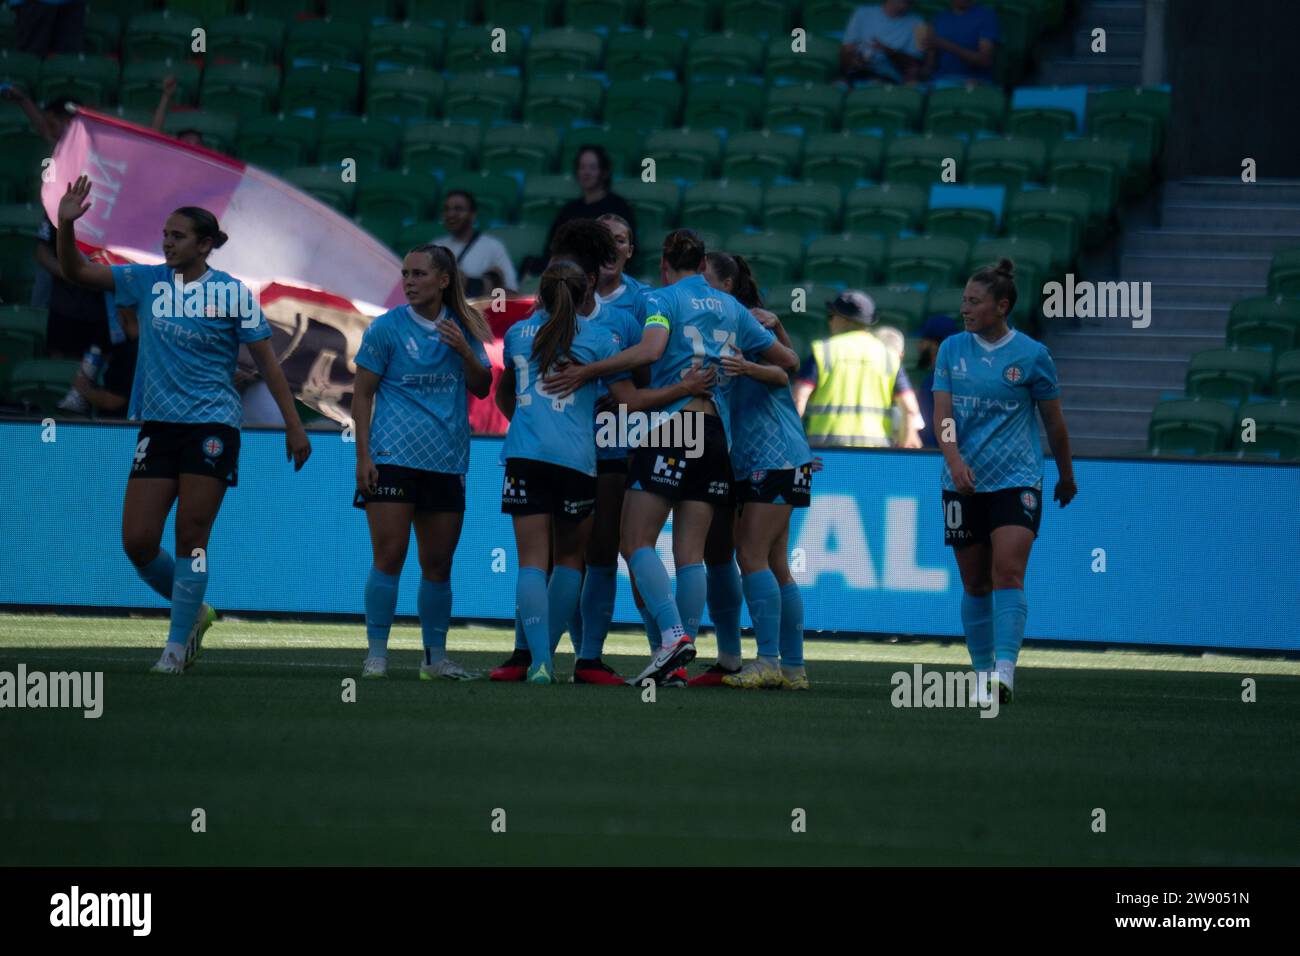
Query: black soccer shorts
x=669, y=473
x=170, y=449
x=427, y=490
x=541, y=488
x=970, y=519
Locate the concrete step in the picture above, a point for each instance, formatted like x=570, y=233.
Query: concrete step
x=1120, y=41
x=1206, y=320
x=1086, y=445
x=1123, y=14
x=1128, y=423
x=1177, y=294
x=1094, y=395
x=1207, y=242
x=1082, y=368
x=1267, y=191
x=1181, y=267
x=1096, y=70
x=1154, y=342
x=1246, y=217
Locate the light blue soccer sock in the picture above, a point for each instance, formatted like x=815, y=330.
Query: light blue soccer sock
x=791, y=625
x=763, y=596
x=575, y=622
x=158, y=573
x=1009, y=612
x=521, y=642
x=562, y=601
x=435, y=617
x=692, y=590
x=530, y=597
x=977, y=623
x=381, y=605
x=598, y=590
x=188, y=587
x=725, y=599
x=651, y=628
x=652, y=581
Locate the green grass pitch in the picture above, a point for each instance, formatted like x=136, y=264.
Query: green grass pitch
x=258, y=736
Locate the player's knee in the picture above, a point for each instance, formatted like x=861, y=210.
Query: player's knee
x=140, y=548
x=435, y=567
x=1008, y=578
x=390, y=560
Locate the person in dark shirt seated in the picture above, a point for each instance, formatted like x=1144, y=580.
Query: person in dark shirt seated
x=961, y=42
x=112, y=398
x=594, y=172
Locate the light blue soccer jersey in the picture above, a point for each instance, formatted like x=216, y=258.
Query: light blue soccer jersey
x=701, y=323
x=555, y=430
x=766, y=432
x=421, y=413
x=622, y=317
x=994, y=389
x=189, y=343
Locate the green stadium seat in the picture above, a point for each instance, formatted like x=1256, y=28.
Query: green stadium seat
x=324, y=40
x=812, y=107
x=1230, y=375
x=471, y=50
x=362, y=14
x=404, y=43
x=543, y=196
x=142, y=84
x=692, y=17
x=1046, y=123
x=531, y=14
x=529, y=149
x=828, y=16
x=1056, y=216
x=684, y=153
x=278, y=142
x=885, y=210
x=557, y=100
x=818, y=62
x=1154, y=102
x=721, y=206
x=217, y=129
x=21, y=69
x=1010, y=161
x=656, y=206
x=242, y=89
x=761, y=156
x=371, y=141
x=623, y=146
x=1265, y=323
x=412, y=234
x=645, y=105
x=482, y=97
x=883, y=106
x=585, y=14
x=15, y=347
x=631, y=55
x=764, y=17
x=1096, y=166
x=945, y=301
x=842, y=158
x=773, y=257
x=160, y=35
x=441, y=11
x=1286, y=376
x=920, y=160
x=397, y=195
x=1284, y=273
x=87, y=79
x=325, y=183
x=25, y=321
x=962, y=110
x=20, y=164
x=846, y=259
x=444, y=147
x=522, y=241
x=719, y=55
x=103, y=33
x=1026, y=253
x=40, y=384
x=802, y=208
x=968, y=225
x=563, y=51
x=205, y=10
x=1141, y=132
x=1277, y=428
x=496, y=194
x=801, y=307
x=1190, y=427
x=1017, y=30
x=386, y=229
x=405, y=94
x=321, y=88
x=732, y=105
x=246, y=39
x=928, y=260
x=898, y=305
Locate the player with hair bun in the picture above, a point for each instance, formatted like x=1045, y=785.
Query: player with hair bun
x=987, y=381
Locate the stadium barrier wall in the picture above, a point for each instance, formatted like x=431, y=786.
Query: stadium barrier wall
x=1151, y=552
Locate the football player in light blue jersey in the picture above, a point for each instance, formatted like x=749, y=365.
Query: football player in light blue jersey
x=412, y=434
x=689, y=325
x=773, y=467
x=192, y=320
x=987, y=383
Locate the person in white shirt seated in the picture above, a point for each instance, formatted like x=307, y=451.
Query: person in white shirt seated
x=483, y=260
x=884, y=42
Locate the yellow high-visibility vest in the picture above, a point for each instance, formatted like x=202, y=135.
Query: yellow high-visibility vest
x=851, y=405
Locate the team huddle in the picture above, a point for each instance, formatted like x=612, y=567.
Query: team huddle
x=724, y=452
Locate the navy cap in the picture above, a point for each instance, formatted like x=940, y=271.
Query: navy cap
x=855, y=306
x=939, y=327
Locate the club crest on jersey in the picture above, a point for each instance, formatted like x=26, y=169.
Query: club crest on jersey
x=1013, y=374
x=212, y=446
x=1029, y=500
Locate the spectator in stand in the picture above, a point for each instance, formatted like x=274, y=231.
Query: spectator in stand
x=50, y=119
x=906, y=409
x=883, y=42
x=110, y=400
x=482, y=259
x=936, y=329
x=961, y=42
x=43, y=27
x=191, y=136
x=595, y=173
x=78, y=317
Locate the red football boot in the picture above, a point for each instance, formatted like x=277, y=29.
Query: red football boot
x=596, y=672
x=515, y=668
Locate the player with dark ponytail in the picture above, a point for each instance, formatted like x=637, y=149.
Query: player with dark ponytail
x=987, y=381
